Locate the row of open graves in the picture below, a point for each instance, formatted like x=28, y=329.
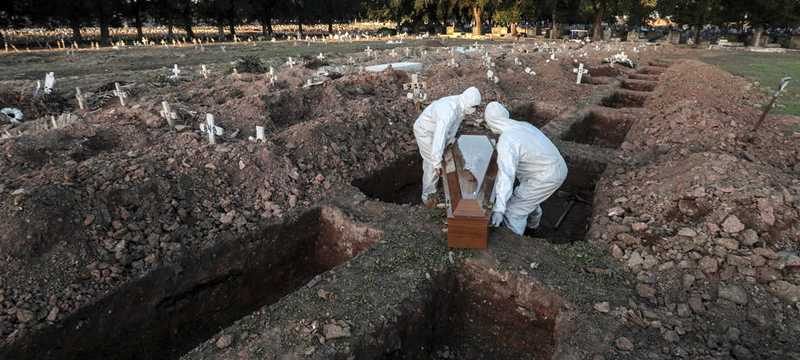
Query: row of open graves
x=344, y=280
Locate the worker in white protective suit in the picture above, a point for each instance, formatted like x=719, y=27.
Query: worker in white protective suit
x=435, y=128
x=526, y=154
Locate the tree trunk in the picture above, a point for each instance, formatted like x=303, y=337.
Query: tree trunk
x=220, y=31
x=232, y=27
x=758, y=31
x=187, y=26
x=105, y=39
x=476, y=17
x=555, y=32
x=186, y=14
x=597, y=27
x=76, y=30
x=138, y=22
x=698, y=28
x=330, y=26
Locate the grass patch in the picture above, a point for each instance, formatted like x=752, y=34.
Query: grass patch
x=767, y=70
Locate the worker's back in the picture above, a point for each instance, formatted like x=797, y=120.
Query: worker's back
x=537, y=157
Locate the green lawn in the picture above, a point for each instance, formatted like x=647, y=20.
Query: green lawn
x=767, y=70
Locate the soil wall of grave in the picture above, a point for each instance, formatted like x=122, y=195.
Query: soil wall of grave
x=173, y=308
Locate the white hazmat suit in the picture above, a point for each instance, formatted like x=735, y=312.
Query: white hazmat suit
x=435, y=128
x=526, y=154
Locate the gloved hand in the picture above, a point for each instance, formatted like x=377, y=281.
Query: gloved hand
x=497, y=219
x=438, y=169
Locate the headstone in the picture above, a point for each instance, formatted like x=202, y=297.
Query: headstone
x=204, y=71
x=417, y=88
x=49, y=83
x=260, y=134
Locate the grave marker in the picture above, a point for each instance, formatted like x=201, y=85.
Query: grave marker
x=580, y=71
x=176, y=72
x=49, y=83
x=417, y=88
x=211, y=129
x=204, y=71
x=168, y=114
x=79, y=97
x=118, y=92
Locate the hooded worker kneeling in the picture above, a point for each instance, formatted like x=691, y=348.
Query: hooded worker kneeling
x=435, y=128
x=526, y=154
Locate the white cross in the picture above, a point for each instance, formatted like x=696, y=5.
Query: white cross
x=453, y=63
x=118, y=92
x=175, y=72
x=517, y=62
x=212, y=130
x=79, y=97
x=321, y=56
x=368, y=51
x=580, y=71
x=204, y=71
x=168, y=114
x=272, y=76
x=290, y=63
x=408, y=52
x=491, y=77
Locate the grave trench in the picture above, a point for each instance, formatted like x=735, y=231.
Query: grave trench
x=646, y=86
x=400, y=182
x=604, y=128
x=650, y=70
x=577, y=195
x=472, y=312
x=533, y=113
x=624, y=99
x=643, y=77
x=174, y=308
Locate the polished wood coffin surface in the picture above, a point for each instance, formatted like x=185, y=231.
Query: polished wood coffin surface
x=470, y=171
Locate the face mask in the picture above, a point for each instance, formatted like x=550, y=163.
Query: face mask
x=469, y=111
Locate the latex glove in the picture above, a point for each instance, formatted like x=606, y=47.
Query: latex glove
x=497, y=219
x=438, y=169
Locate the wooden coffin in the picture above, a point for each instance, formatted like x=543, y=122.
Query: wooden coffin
x=470, y=170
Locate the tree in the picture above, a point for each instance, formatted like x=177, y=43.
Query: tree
x=763, y=14
x=696, y=13
x=476, y=8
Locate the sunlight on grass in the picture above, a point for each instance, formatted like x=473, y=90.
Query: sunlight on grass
x=767, y=70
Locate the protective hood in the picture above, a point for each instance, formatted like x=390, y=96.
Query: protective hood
x=469, y=100
x=497, y=117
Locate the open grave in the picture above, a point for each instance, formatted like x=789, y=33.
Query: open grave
x=567, y=213
x=400, y=182
x=475, y=313
x=537, y=114
x=174, y=308
x=643, y=77
x=651, y=70
x=604, y=128
x=639, y=85
x=624, y=99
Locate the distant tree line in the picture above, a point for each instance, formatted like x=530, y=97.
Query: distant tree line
x=414, y=15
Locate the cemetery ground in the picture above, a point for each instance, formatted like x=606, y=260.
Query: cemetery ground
x=125, y=237
x=766, y=69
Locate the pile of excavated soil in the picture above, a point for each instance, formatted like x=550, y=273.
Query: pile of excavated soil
x=708, y=221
